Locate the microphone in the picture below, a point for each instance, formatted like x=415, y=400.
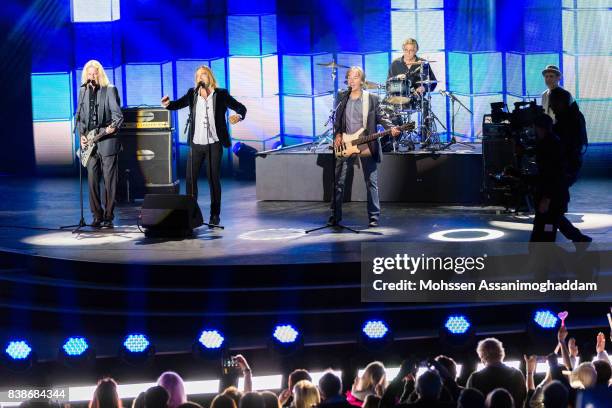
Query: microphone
x=86, y=83
x=348, y=92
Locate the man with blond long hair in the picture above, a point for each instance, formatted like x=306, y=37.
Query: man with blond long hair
x=207, y=134
x=99, y=107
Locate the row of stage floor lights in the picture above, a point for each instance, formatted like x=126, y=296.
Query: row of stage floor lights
x=283, y=335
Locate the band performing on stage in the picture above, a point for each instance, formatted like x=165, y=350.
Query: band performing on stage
x=402, y=106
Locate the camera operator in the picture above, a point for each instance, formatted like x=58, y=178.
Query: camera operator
x=570, y=126
x=551, y=189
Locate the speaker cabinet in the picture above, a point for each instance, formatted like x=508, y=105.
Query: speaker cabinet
x=146, y=164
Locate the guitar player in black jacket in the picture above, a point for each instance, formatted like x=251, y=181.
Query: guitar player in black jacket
x=207, y=132
x=359, y=109
x=99, y=109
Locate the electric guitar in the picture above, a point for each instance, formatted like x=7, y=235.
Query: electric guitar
x=89, y=148
x=351, y=142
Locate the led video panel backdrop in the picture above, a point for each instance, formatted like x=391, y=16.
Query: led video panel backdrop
x=267, y=53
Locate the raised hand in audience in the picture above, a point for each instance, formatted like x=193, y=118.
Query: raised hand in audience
x=531, y=363
x=246, y=371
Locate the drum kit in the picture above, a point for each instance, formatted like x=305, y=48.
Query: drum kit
x=403, y=101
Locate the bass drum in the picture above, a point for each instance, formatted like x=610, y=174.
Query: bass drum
x=398, y=92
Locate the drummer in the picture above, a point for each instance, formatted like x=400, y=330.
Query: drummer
x=405, y=65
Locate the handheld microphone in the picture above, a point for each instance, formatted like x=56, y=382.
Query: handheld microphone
x=86, y=83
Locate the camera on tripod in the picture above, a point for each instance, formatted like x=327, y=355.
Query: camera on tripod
x=509, y=142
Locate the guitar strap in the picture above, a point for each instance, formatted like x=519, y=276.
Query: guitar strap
x=102, y=104
x=365, y=108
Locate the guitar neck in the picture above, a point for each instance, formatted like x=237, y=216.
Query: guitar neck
x=103, y=131
x=374, y=136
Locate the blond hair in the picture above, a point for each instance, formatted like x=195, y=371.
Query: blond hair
x=373, y=375
x=211, y=76
x=359, y=71
x=306, y=395
x=584, y=376
x=103, y=79
x=410, y=41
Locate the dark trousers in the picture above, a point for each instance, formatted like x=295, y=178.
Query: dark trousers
x=212, y=154
x=545, y=225
x=569, y=230
x=565, y=226
x=102, y=168
x=370, y=175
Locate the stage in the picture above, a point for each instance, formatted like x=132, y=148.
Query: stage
x=262, y=266
x=259, y=232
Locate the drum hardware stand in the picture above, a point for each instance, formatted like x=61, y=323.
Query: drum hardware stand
x=453, y=98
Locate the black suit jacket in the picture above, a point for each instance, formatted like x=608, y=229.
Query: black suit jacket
x=375, y=117
x=222, y=100
x=109, y=110
x=500, y=376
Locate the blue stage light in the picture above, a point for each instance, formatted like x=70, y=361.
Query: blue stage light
x=211, y=339
x=375, y=329
x=545, y=319
x=457, y=324
x=136, y=343
x=285, y=333
x=75, y=346
x=18, y=350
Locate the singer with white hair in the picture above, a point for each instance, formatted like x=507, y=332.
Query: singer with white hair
x=99, y=109
x=207, y=132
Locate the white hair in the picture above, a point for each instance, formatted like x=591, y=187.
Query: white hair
x=103, y=79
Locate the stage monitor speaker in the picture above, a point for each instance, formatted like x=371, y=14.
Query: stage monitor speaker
x=170, y=215
x=146, y=164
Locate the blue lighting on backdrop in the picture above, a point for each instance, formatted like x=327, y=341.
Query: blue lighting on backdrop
x=266, y=53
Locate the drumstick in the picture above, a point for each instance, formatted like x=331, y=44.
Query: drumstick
x=610, y=320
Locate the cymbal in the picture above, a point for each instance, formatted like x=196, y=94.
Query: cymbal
x=427, y=82
x=331, y=64
x=372, y=85
x=398, y=100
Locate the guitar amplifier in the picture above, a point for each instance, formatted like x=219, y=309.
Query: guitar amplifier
x=146, y=118
x=146, y=164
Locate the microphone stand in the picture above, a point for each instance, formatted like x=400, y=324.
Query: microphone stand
x=335, y=224
x=453, y=140
x=81, y=223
